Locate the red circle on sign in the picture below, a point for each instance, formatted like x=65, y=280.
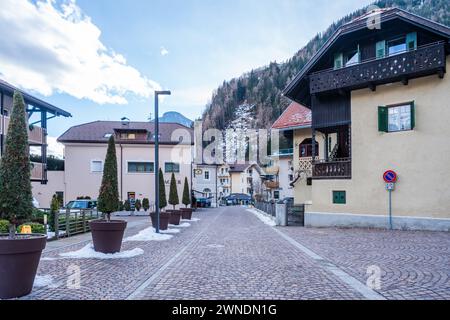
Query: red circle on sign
x=390, y=176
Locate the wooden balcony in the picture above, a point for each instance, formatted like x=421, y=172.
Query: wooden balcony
x=37, y=171
x=336, y=169
x=36, y=135
x=423, y=61
x=272, y=184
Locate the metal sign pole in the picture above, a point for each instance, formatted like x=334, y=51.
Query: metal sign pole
x=156, y=163
x=390, y=209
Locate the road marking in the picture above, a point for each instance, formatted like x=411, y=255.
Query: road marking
x=147, y=282
x=354, y=283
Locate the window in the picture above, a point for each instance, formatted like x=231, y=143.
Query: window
x=141, y=167
x=108, y=135
x=352, y=57
x=395, y=118
x=171, y=167
x=206, y=175
x=291, y=177
x=306, y=148
x=128, y=136
x=96, y=166
x=276, y=195
x=396, y=46
x=339, y=197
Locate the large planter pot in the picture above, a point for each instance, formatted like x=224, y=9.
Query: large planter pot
x=19, y=260
x=175, y=217
x=164, y=218
x=186, y=213
x=107, y=236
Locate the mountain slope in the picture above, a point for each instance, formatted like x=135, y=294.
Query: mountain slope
x=176, y=117
x=262, y=87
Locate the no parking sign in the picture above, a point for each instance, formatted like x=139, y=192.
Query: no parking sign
x=390, y=176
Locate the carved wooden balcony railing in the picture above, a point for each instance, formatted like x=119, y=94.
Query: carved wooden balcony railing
x=336, y=169
x=423, y=61
x=36, y=135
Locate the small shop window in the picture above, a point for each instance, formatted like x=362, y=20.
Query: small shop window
x=339, y=197
x=400, y=117
x=141, y=167
x=172, y=167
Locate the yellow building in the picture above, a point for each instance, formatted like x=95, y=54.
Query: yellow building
x=380, y=101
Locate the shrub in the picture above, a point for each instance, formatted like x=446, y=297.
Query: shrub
x=162, y=191
x=108, y=199
x=15, y=169
x=35, y=227
x=173, y=192
x=121, y=206
x=186, y=196
x=138, y=205
x=145, y=204
x=127, y=205
x=4, y=226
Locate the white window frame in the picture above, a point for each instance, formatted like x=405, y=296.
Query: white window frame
x=92, y=165
x=204, y=175
x=179, y=167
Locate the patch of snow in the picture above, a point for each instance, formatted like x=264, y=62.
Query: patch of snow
x=181, y=225
x=51, y=234
x=168, y=231
x=44, y=281
x=149, y=234
x=88, y=252
x=48, y=259
x=263, y=217
x=192, y=220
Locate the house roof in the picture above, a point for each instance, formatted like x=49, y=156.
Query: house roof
x=29, y=99
x=237, y=168
x=294, y=116
x=299, y=85
x=96, y=132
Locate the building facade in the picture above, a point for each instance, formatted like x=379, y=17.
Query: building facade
x=205, y=182
x=85, y=151
x=379, y=101
x=246, y=179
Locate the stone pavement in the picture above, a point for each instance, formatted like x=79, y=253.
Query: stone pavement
x=230, y=254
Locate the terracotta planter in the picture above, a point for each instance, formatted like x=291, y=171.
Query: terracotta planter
x=107, y=236
x=164, y=218
x=186, y=213
x=19, y=260
x=175, y=217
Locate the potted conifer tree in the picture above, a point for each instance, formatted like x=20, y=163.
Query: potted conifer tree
x=19, y=253
x=186, y=213
x=107, y=234
x=174, y=200
x=145, y=204
x=164, y=217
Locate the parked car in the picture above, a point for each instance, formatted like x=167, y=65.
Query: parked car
x=287, y=200
x=235, y=199
x=203, y=202
x=77, y=205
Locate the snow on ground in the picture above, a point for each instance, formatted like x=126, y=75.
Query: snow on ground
x=88, y=252
x=48, y=259
x=168, y=231
x=181, y=225
x=192, y=220
x=263, y=217
x=44, y=281
x=51, y=234
x=149, y=234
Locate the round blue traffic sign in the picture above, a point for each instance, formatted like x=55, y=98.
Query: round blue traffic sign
x=390, y=176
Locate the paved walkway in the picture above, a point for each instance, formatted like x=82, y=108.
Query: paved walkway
x=230, y=254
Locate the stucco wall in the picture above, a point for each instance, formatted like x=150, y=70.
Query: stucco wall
x=44, y=192
x=302, y=192
x=420, y=157
x=81, y=181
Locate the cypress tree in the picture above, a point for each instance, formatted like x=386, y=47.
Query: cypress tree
x=173, y=194
x=186, y=196
x=138, y=205
x=108, y=199
x=16, y=200
x=162, y=191
x=145, y=204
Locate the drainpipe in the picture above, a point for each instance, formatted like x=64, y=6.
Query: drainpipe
x=121, y=172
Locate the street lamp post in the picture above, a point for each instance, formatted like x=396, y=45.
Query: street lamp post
x=157, y=94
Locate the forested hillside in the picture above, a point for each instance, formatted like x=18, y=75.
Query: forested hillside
x=262, y=88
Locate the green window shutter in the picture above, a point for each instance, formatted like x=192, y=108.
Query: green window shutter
x=411, y=41
x=413, y=115
x=339, y=197
x=380, y=49
x=338, y=60
x=383, y=119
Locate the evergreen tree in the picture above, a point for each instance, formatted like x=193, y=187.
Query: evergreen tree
x=108, y=199
x=55, y=205
x=145, y=204
x=186, y=196
x=16, y=200
x=138, y=205
x=162, y=191
x=173, y=194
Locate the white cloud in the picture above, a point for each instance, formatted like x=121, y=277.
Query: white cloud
x=55, y=148
x=164, y=51
x=48, y=47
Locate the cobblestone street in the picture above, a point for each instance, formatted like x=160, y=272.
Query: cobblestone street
x=231, y=254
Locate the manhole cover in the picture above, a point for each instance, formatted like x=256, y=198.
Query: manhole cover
x=216, y=246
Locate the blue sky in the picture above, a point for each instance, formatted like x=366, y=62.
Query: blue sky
x=101, y=59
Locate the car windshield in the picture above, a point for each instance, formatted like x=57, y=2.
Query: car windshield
x=77, y=205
